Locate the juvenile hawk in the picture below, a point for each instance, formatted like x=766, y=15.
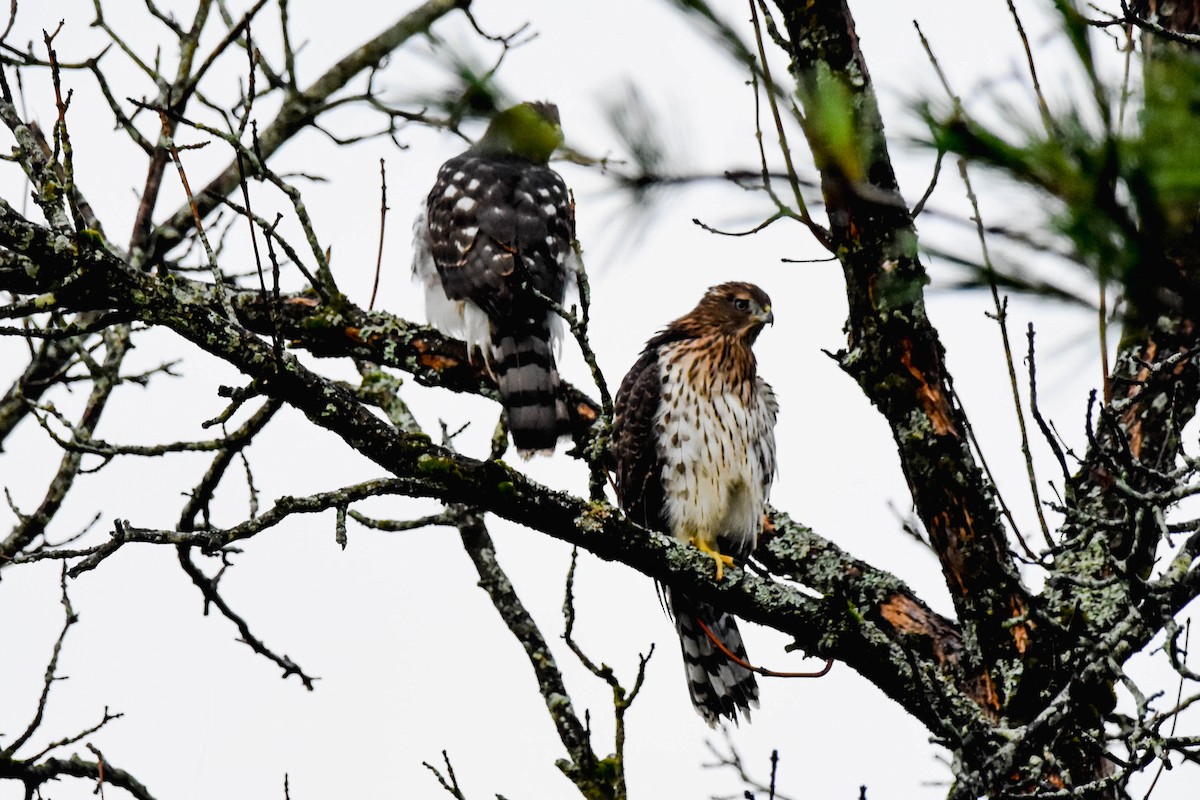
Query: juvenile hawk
x=497, y=232
x=694, y=445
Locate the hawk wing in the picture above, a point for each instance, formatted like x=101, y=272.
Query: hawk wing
x=763, y=438
x=496, y=222
x=634, y=445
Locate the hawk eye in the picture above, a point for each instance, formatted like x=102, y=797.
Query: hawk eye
x=741, y=304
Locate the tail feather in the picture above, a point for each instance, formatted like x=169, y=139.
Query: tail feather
x=523, y=363
x=719, y=686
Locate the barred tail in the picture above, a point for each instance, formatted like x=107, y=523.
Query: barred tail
x=719, y=686
x=523, y=363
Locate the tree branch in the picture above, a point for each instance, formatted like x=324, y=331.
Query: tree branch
x=894, y=352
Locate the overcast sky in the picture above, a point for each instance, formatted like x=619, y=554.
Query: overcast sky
x=412, y=656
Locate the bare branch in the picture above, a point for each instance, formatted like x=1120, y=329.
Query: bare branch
x=51, y=676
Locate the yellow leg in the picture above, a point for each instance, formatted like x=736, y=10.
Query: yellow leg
x=719, y=558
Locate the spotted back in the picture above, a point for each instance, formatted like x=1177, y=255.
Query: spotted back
x=495, y=224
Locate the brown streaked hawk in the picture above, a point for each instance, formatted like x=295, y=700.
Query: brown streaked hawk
x=694, y=444
x=494, y=242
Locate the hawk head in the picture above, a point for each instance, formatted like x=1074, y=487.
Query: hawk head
x=530, y=131
x=734, y=309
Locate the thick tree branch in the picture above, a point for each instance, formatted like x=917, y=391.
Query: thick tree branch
x=35, y=775
x=894, y=352
x=337, y=329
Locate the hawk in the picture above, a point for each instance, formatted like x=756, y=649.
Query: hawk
x=492, y=245
x=694, y=446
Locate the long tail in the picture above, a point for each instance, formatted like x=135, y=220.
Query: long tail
x=719, y=686
x=523, y=363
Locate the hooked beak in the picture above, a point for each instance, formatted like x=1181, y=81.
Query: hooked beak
x=766, y=316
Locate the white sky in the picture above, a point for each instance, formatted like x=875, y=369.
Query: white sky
x=413, y=658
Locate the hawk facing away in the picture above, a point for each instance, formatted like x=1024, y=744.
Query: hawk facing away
x=694, y=444
x=497, y=232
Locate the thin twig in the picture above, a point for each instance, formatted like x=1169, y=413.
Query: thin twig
x=383, y=209
x=218, y=278
x=448, y=781
x=732, y=759
x=1043, y=107
x=1002, y=320
x=1047, y=434
x=937, y=171
x=819, y=232
x=622, y=699
x=1162, y=764
x=51, y=674
x=208, y=588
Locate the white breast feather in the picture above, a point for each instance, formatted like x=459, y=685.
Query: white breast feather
x=719, y=458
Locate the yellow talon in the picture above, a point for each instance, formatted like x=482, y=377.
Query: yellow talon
x=718, y=557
